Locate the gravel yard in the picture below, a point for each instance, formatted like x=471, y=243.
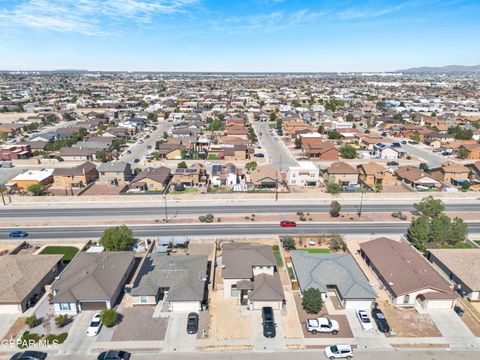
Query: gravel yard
x=137, y=324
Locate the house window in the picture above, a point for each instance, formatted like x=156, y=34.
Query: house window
x=406, y=299
x=64, y=306
x=143, y=299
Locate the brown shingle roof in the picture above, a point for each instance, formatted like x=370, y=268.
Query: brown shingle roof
x=402, y=268
x=341, y=167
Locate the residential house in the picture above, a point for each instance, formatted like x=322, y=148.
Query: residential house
x=14, y=152
x=324, y=151
x=416, y=178
x=338, y=273
x=373, y=174
x=78, y=154
x=11, y=129
x=462, y=267
x=388, y=151
x=474, y=172
x=24, y=277
x=152, y=179
x=75, y=177
x=42, y=177
x=170, y=151
x=236, y=152
x=227, y=175
x=92, y=281
x=472, y=151
x=179, y=281
x=250, y=275
x=115, y=173
x=343, y=173
x=265, y=177
x=195, y=175
x=450, y=173
x=407, y=276
x=305, y=174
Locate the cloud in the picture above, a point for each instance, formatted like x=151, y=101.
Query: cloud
x=371, y=12
x=87, y=17
x=275, y=20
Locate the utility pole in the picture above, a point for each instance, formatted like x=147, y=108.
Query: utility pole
x=3, y=197
x=276, y=179
x=166, y=211
x=361, y=204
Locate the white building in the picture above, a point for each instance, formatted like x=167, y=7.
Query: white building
x=305, y=174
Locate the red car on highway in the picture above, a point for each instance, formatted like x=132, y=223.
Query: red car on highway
x=286, y=223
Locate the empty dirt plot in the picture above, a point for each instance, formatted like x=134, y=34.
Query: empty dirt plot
x=227, y=321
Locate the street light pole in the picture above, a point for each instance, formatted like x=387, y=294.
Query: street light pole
x=361, y=205
x=166, y=210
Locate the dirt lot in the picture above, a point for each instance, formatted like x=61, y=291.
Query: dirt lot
x=408, y=322
x=226, y=320
x=345, y=330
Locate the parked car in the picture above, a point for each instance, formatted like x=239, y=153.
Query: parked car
x=268, y=323
x=259, y=155
x=404, y=142
x=322, y=325
x=114, y=355
x=136, y=161
x=18, y=234
x=29, y=355
x=95, y=325
x=392, y=163
x=380, y=320
x=192, y=323
x=365, y=321
x=149, y=147
x=129, y=152
x=286, y=223
x=339, y=352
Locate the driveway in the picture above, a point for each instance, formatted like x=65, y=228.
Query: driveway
x=453, y=329
x=6, y=322
x=366, y=339
x=260, y=342
x=78, y=342
x=138, y=324
x=177, y=338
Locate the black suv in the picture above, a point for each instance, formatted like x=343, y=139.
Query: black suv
x=381, y=321
x=192, y=323
x=268, y=322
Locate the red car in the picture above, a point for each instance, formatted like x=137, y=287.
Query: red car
x=288, y=223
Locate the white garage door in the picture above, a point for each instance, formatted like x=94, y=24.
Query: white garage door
x=185, y=306
x=358, y=304
x=439, y=304
x=275, y=305
x=10, y=309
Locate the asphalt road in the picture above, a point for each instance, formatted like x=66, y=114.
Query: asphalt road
x=139, y=151
x=219, y=229
x=46, y=213
x=279, y=157
x=290, y=355
x=433, y=160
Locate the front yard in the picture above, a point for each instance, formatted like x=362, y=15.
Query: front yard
x=68, y=252
x=138, y=325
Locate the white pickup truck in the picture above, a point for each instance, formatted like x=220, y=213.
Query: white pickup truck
x=322, y=325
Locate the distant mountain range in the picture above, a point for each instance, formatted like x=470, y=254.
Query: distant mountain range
x=443, y=69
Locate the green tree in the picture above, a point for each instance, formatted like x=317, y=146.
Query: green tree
x=419, y=232
x=424, y=167
x=288, y=243
x=415, y=137
x=349, y=117
x=334, y=135
x=321, y=129
x=440, y=229
x=137, y=171
x=332, y=186
x=335, y=208
x=109, y=317
x=462, y=153
x=35, y=189
x=252, y=165
x=101, y=155
x=458, y=230
x=117, y=238
x=312, y=301
x=61, y=320
x=378, y=187
x=298, y=142
x=348, y=152
x=32, y=321
x=182, y=165
x=430, y=207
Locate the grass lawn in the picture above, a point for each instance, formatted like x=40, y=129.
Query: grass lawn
x=316, y=251
x=186, y=191
x=219, y=189
x=291, y=273
x=278, y=257
x=457, y=246
x=68, y=252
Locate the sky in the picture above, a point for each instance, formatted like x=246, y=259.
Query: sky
x=238, y=35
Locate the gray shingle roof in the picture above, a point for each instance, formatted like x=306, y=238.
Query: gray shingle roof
x=340, y=270
x=267, y=288
x=92, y=276
x=118, y=166
x=182, y=274
x=239, y=260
